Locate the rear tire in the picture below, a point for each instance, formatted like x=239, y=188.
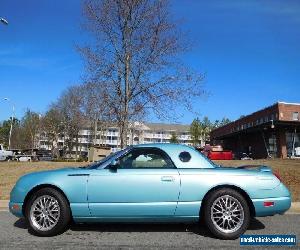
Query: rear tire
x=226, y=214
x=47, y=212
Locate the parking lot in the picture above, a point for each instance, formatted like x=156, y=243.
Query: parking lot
x=14, y=234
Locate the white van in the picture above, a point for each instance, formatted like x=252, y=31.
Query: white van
x=5, y=154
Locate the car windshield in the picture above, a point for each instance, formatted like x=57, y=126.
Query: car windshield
x=106, y=159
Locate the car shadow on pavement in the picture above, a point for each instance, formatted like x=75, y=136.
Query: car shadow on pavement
x=144, y=227
x=134, y=227
x=255, y=224
x=21, y=223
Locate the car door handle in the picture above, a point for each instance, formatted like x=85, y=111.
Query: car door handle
x=167, y=178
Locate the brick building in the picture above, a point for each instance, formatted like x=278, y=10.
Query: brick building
x=273, y=131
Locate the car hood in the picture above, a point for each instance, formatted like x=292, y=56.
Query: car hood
x=59, y=170
x=50, y=176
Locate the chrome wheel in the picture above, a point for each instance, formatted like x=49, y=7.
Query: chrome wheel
x=45, y=213
x=227, y=214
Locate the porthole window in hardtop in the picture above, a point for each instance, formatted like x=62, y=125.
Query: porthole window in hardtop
x=185, y=156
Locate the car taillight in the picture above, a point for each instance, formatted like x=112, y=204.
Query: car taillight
x=277, y=176
x=268, y=203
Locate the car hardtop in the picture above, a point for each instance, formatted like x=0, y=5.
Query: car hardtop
x=197, y=160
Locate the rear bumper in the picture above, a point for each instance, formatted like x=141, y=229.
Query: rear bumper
x=16, y=209
x=281, y=205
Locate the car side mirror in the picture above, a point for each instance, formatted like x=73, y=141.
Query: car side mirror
x=114, y=165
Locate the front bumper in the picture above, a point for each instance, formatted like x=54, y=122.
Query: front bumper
x=281, y=205
x=16, y=209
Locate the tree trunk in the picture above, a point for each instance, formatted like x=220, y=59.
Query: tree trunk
x=123, y=133
x=95, y=135
x=126, y=102
x=76, y=156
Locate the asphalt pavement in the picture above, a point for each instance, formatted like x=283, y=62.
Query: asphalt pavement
x=14, y=235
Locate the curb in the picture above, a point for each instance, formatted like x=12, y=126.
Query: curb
x=295, y=207
x=4, y=205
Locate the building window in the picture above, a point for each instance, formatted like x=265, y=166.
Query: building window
x=292, y=143
x=266, y=119
x=272, y=145
x=295, y=116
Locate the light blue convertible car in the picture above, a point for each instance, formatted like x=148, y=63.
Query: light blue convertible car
x=150, y=183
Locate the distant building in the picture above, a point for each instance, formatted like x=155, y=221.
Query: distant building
x=138, y=133
x=271, y=132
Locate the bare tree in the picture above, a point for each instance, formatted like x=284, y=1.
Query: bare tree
x=70, y=107
x=94, y=106
x=136, y=57
x=30, y=125
x=52, y=126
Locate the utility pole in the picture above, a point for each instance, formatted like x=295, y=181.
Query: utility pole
x=12, y=120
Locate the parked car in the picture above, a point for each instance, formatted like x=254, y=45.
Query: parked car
x=242, y=156
x=295, y=154
x=220, y=155
x=216, y=152
x=24, y=158
x=5, y=155
x=45, y=157
x=150, y=183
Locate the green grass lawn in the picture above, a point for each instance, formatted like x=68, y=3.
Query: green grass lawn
x=289, y=170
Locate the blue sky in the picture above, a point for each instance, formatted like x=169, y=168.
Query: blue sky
x=248, y=50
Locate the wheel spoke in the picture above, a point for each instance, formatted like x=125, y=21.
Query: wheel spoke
x=52, y=219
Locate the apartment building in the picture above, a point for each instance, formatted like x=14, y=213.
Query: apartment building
x=139, y=133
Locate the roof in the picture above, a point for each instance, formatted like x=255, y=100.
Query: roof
x=289, y=103
x=167, y=127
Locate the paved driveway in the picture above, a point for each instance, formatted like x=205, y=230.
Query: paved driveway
x=14, y=234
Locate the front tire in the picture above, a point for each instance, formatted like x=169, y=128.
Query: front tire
x=47, y=212
x=226, y=214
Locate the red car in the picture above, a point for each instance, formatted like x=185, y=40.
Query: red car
x=220, y=155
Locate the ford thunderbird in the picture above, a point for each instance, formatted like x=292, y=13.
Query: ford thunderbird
x=150, y=183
